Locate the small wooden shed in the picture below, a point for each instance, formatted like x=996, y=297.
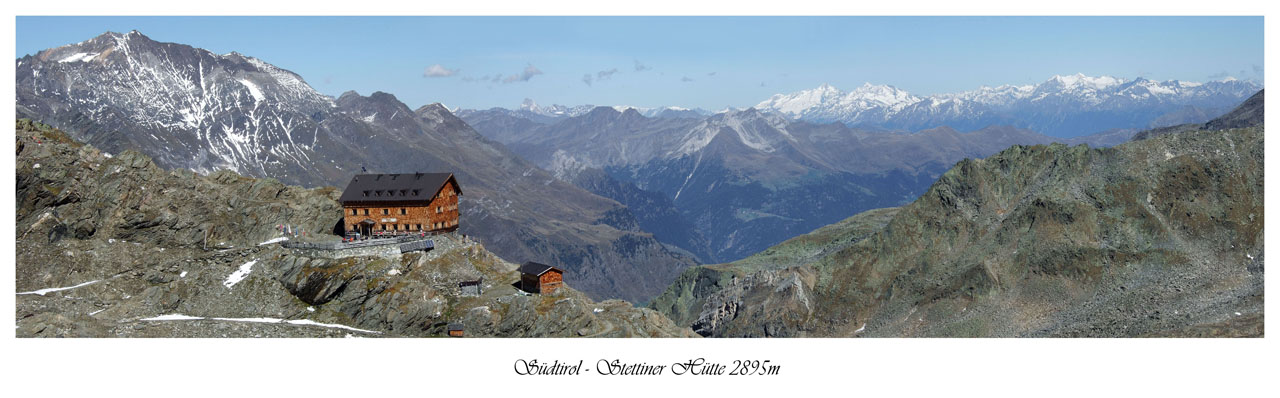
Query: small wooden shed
x=455, y=329
x=540, y=278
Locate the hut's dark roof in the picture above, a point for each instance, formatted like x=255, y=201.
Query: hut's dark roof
x=455, y=326
x=395, y=187
x=533, y=268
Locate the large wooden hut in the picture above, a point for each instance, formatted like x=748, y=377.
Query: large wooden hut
x=395, y=204
x=540, y=278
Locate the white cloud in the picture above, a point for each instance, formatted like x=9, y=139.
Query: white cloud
x=438, y=70
x=529, y=72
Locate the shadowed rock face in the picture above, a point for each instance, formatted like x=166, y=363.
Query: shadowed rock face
x=1158, y=237
x=188, y=108
x=108, y=243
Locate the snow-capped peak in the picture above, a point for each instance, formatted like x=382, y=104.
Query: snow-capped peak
x=1080, y=80
x=827, y=102
x=883, y=95
x=797, y=103
x=555, y=110
x=191, y=94
x=1078, y=94
x=529, y=105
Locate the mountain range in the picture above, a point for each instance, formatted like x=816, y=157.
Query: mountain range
x=869, y=213
x=1062, y=106
x=545, y=114
x=623, y=197
x=730, y=184
x=189, y=108
x=1161, y=236
x=1068, y=106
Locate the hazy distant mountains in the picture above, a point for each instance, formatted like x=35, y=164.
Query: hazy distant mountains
x=1062, y=106
x=728, y=185
x=746, y=179
x=531, y=111
x=192, y=109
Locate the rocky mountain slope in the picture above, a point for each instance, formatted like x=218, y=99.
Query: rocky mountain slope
x=1157, y=237
x=1250, y=113
x=1062, y=106
x=191, y=109
x=115, y=246
x=745, y=180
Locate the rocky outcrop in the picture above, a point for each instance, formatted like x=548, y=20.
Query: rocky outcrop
x=115, y=246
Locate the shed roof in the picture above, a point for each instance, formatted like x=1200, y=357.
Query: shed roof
x=533, y=268
x=395, y=187
x=455, y=326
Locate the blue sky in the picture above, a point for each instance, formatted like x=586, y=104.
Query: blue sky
x=708, y=62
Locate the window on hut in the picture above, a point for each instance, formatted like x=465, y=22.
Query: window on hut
x=402, y=211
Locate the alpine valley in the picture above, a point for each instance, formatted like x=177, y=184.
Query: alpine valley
x=153, y=179
x=726, y=185
x=1162, y=236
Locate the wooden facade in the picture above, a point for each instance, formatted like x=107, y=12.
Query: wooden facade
x=550, y=281
x=540, y=278
x=397, y=204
